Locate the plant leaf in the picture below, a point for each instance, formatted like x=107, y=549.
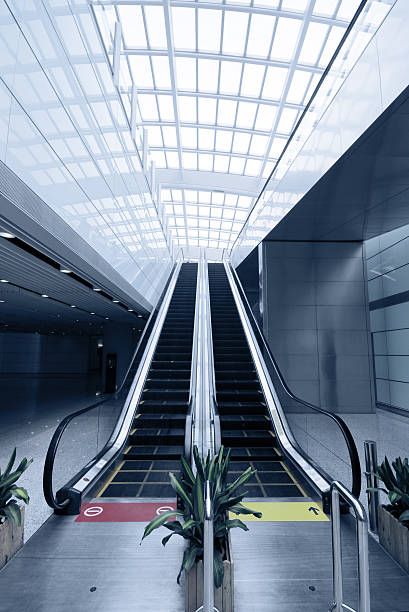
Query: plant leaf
x=230, y=524
x=189, y=558
x=187, y=470
x=20, y=493
x=241, y=480
x=158, y=521
x=404, y=516
x=198, y=501
x=198, y=463
x=218, y=568
x=179, y=489
x=10, y=480
x=240, y=509
x=10, y=463
x=13, y=512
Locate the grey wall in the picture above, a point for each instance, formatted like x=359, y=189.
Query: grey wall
x=122, y=340
x=43, y=354
x=388, y=288
x=248, y=273
x=315, y=317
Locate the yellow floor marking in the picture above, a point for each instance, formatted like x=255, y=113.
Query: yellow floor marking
x=283, y=512
x=294, y=480
x=111, y=479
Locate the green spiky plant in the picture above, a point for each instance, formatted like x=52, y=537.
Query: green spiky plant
x=225, y=498
x=10, y=492
x=397, y=486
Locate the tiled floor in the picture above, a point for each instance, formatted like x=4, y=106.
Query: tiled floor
x=31, y=409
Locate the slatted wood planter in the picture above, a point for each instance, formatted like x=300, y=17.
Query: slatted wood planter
x=11, y=539
x=394, y=537
x=223, y=597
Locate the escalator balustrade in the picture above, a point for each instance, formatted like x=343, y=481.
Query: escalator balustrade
x=156, y=441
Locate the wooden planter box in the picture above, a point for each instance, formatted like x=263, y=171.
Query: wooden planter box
x=223, y=597
x=394, y=537
x=11, y=538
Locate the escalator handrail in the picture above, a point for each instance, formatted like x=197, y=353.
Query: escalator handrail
x=212, y=374
x=190, y=415
x=49, y=496
x=52, y=452
x=346, y=432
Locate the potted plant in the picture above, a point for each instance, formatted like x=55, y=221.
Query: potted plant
x=11, y=512
x=226, y=499
x=393, y=518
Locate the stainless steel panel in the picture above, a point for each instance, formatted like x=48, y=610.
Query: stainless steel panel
x=340, y=293
x=341, y=317
x=342, y=342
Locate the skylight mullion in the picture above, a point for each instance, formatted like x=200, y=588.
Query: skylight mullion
x=202, y=94
x=265, y=70
x=184, y=215
x=169, y=37
x=78, y=85
x=251, y=8
x=305, y=23
x=222, y=56
x=209, y=152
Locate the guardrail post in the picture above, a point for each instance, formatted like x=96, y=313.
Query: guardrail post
x=339, y=491
x=336, y=552
x=371, y=465
x=208, y=552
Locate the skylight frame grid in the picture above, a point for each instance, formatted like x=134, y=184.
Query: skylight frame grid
x=213, y=158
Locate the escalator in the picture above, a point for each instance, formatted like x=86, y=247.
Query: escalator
x=156, y=440
x=245, y=425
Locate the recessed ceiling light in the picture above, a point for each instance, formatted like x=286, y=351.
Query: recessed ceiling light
x=139, y=316
x=115, y=301
x=3, y=280
x=96, y=289
x=107, y=318
x=130, y=309
x=2, y=301
x=44, y=295
x=73, y=306
x=65, y=271
x=92, y=313
x=7, y=235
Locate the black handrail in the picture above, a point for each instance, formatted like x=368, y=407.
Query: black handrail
x=51, y=454
x=49, y=496
x=350, y=442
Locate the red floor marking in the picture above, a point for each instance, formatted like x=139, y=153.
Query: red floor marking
x=122, y=512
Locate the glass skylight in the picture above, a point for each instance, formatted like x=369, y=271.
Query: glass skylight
x=219, y=88
x=142, y=114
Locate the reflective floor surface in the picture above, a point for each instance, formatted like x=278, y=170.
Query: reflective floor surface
x=70, y=566
x=30, y=411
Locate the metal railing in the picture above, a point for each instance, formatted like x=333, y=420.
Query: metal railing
x=339, y=491
x=68, y=498
x=208, y=552
x=191, y=417
x=203, y=417
x=214, y=408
